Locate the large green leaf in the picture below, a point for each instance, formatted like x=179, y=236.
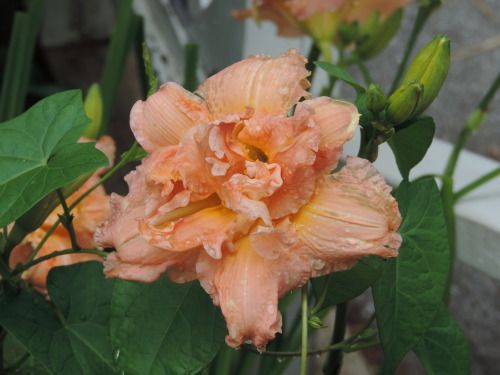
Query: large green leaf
x=71, y=338
x=444, y=348
x=39, y=153
x=410, y=291
x=340, y=73
x=346, y=285
x=164, y=328
x=411, y=143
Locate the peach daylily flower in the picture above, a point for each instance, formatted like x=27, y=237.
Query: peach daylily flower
x=318, y=18
x=237, y=194
x=88, y=214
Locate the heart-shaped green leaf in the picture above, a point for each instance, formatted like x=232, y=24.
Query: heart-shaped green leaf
x=39, y=153
x=164, y=328
x=73, y=337
x=410, y=291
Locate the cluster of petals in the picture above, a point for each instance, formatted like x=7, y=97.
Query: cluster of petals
x=88, y=214
x=238, y=194
x=298, y=17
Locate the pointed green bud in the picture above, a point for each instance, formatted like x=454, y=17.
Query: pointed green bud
x=316, y=322
x=376, y=99
x=380, y=37
x=402, y=104
x=430, y=67
x=369, y=26
x=93, y=109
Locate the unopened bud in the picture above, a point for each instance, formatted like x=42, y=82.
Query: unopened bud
x=93, y=109
x=430, y=67
x=402, y=105
x=380, y=36
x=376, y=99
x=348, y=32
x=316, y=322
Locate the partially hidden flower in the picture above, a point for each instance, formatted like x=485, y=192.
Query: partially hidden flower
x=88, y=214
x=238, y=194
x=317, y=18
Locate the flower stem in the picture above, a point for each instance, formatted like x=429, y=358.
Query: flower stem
x=27, y=265
x=344, y=345
x=423, y=14
x=334, y=362
x=305, y=310
x=480, y=181
x=67, y=220
x=321, y=298
x=126, y=157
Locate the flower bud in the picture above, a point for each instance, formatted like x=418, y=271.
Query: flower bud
x=376, y=99
x=430, y=67
x=380, y=36
x=316, y=322
x=403, y=103
x=93, y=109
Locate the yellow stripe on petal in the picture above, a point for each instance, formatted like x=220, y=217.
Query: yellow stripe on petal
x=351, y=214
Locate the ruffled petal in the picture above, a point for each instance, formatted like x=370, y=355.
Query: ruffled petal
x=247, y=287
x=213, y=228
x=351, y=214
x=165, y=116
x=336, y=119
x=260, y=82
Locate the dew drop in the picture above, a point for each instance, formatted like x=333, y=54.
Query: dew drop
x=116, y=355
x=270, y=308
x=280, y=359
x=261, y=350
x=248, y=341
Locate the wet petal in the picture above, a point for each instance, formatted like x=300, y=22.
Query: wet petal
x=165, y=116
x=350, y=215
x=213, y=228
x=260, y=82
x=336, y=119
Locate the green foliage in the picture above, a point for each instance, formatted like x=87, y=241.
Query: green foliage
x=99, y=326
x=39, y=153
x=164, y=328
x=411, y=142
x=346, y=285
x=72, y=337
x=410, y=291
x=444, y=348
x=338, y=72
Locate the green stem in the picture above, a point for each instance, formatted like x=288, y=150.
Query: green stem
x=27, y=265
x=455, y=153
x=343, y=345
x=485, y=102
x=422, y=16
x=126, y=157
x=364, y=71
x=190, y=66
x=334, y=362
x=3, y=335
x=314, y=53
x=321, y=298
x=449, y=215
x=305, y=310
x=67, y=220
x=223, y=361
x=480, y=181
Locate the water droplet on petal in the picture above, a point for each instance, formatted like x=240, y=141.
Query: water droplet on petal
x=248, y=341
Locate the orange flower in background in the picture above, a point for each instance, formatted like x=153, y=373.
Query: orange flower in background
x=237, y=193
x=317, y=18
x=88, y=214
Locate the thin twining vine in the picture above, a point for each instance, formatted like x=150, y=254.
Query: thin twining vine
x=345, y=345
